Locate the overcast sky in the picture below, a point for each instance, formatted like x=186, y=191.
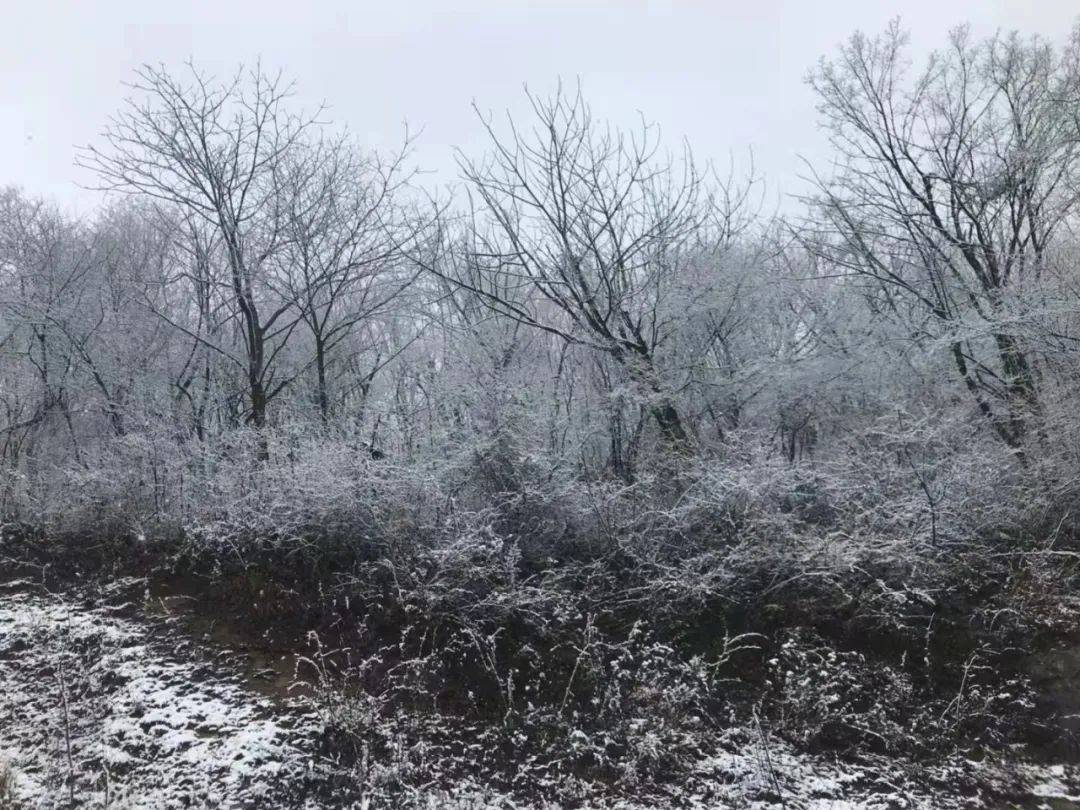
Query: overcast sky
x=726, y=75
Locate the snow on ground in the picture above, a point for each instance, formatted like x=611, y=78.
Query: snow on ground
x=99, y=710
x=145, y=728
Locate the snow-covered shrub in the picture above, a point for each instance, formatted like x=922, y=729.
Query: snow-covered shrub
x=824, y=697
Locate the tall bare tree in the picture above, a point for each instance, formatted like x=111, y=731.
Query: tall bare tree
x=953, y=181
x=212, y=149
x=344, y=235
x=579, y=234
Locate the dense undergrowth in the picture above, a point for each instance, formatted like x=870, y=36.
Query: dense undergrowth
x=487, y=619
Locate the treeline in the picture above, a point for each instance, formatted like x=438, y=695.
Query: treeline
x=258, y=268
x=586, y=304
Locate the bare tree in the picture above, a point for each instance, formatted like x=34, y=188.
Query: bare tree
x=46, y=259
x=952, y=184
x=579, y=234
x=204, y=315
x=340, y=263
x=212, y=149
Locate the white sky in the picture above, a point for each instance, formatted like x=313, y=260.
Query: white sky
x=726, y=75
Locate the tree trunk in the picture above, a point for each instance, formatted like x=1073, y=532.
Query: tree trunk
x=323, y=393
x=1020, y=383
x=258, y=416
x=640, y=367
x=670, y=424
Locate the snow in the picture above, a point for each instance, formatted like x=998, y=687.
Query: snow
x=164, y=732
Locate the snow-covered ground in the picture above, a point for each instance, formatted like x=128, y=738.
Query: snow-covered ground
x=102, y=709
x=147, y=726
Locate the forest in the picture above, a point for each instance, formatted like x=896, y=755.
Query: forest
x=594, y=480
